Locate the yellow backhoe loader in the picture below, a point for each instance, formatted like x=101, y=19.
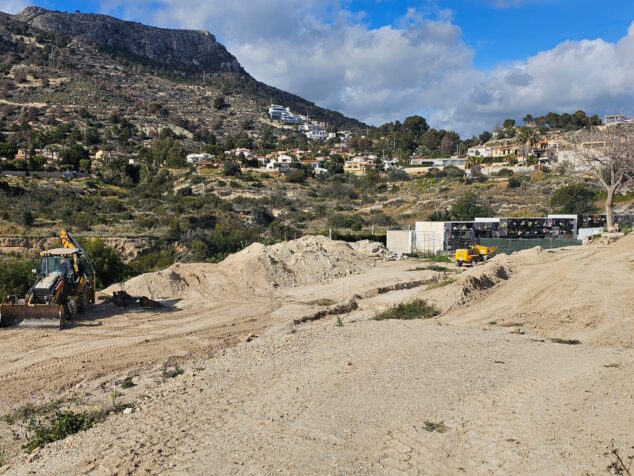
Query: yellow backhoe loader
x=65, y=285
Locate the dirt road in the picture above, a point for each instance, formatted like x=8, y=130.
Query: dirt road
x=479, y=390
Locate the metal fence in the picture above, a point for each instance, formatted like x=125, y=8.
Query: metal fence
x=509, y=245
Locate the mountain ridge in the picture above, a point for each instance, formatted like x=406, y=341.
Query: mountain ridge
x=172, y=75
x=191, y=50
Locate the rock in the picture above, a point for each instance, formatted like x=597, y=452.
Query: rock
x=180, y=49
x=375, y=249
x=127, y=411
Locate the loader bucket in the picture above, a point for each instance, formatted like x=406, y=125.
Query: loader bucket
x=11, y=314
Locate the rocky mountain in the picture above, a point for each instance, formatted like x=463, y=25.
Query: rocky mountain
x=89, y=72
x=181, y=49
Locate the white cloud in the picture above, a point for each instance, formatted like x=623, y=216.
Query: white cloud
x=593, y=75
x=329, y=55
x=13, y=6
x=323, y=52
x=505, y=4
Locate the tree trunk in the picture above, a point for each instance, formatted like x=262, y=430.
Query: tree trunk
x=609, y=209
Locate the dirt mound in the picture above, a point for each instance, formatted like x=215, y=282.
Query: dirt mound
x=472, y=284
x=375, y=249
x=308, y=260
x=175, y=282
x=585, y=294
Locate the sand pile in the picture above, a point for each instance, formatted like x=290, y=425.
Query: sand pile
x=308, y=260
x=174, y=282
x=472, y=284
x=584, y=294
x=375, y=249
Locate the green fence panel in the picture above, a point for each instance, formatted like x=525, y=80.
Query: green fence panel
x=507, y=245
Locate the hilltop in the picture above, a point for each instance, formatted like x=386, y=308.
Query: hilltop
x=186, y=50
x=86, y=69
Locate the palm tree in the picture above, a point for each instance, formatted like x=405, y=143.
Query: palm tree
x=529, y=137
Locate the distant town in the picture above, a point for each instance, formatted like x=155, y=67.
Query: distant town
x=519, y=148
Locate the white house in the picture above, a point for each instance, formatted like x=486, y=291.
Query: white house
x=420, y=160
x=246, y=152
x=455, y=161
x=615, y=119
x=195, y=158
x=479, y=151
x=389, y=164
x=313, y=132
x=284, y=159
x=279, y=161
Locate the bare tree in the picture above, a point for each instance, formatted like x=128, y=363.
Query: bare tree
x=608, y=151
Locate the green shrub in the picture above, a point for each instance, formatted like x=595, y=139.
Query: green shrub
x=171, y=369
x=338, y=220
x=296, y=176
x=106, y=261
x=504, y=172
x=418, y=309
x=433, y=267
x=28, y=218
x=16, y=277
x=441, y=284
x=231, y=169
x=397, y=175
x=514, y=182
x=453, y=171
x=154, y=261
x=61, y=425
x=574, y=199
x=468, y=206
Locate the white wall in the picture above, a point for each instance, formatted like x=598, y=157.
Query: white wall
x=400, y=241
x=430, y=236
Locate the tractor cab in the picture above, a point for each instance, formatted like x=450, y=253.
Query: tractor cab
x=60, y=261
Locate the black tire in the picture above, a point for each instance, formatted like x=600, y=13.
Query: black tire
x=460, y=263
x=85, y=299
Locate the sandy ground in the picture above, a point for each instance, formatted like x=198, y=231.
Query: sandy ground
x=319, y=398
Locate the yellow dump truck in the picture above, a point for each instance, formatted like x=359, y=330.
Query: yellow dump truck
x=65, y=285
x=474, y=254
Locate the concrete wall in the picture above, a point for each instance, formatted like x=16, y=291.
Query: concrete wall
x=584, y=232
x=430, y=236
x=400, y=241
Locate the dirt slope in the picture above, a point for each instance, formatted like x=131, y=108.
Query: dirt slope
x=357, y=400
x=257, y=268
x=585, y=294
x=319, y=398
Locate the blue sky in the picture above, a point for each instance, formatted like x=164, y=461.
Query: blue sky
x=464, y=64
x=501, y=34
x=496, y=33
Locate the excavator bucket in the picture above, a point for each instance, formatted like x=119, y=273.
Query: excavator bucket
x=11, y=314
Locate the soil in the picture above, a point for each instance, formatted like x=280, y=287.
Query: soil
x=488, y=387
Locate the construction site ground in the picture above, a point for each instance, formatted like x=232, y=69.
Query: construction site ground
x=528, y=370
